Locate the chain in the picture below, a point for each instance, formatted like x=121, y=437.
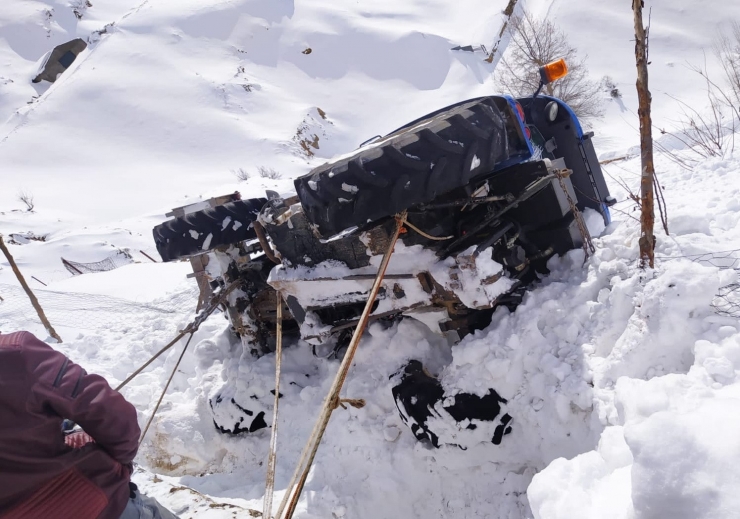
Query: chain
x=588, y=244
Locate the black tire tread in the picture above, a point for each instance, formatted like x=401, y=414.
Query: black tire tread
x=411, y=166
x=175, y=238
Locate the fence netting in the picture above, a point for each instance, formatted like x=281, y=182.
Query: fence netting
x=89, y=311
x=727, y=300
x=119, y=259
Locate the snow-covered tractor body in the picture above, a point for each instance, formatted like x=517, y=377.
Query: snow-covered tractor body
x=490, y=189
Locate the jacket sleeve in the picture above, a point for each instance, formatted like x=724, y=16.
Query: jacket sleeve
x=65, y=388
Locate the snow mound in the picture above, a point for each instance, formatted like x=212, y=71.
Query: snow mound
x=665, y=388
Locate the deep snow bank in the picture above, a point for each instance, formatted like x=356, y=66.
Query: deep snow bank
x=622, y=385
x=665, y=380
x=593, y=350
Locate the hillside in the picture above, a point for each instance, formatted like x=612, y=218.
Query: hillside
x=623, y=382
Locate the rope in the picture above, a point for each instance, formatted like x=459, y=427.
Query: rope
x=425, y=235
x=156, y=355
x=298, y=480
x=156, y=407
x=272, y=457
x=357, y=403
x=191, y=328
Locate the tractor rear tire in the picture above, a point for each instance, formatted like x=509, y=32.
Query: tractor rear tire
x=414, y=165
x=202, y=231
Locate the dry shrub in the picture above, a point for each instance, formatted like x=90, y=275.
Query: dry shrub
x=269, y=173
x=241, y=174
x=27, y=199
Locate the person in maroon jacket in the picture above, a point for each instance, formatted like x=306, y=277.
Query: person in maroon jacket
x=44, y=474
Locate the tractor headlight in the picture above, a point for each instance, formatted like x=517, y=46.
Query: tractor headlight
x=551, y=111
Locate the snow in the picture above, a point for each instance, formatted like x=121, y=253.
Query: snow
x=663, y=385
x=623, y=383
x=681, y=36
x=674, y=458
x=167, y=82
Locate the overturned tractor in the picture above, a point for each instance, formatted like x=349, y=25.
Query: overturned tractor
x=491, y=188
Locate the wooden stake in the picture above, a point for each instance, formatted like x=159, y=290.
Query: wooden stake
x=647, y=180
x=148, y=256
x=29, y=293
x=70, y=266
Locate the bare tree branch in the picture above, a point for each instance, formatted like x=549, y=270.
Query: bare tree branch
x=535, y=43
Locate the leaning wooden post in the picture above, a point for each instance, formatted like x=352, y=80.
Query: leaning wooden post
x=29, y=293
x=332, y=400
x=647, y=179
x=272, y=455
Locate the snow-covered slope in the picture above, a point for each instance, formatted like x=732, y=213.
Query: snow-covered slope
x=175, y=95
x=622, y=382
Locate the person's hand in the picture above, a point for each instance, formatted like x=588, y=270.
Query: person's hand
x=78, y=439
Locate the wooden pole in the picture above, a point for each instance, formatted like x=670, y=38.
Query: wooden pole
x=332, y=400
x=647, y=179
x=29, y=293
x=272, y=456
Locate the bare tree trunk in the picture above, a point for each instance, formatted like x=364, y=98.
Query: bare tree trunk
x=647, y=218
x=29, y=293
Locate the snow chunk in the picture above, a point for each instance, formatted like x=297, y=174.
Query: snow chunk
x=225, y=223
x=349, y=188
x=598, y=486
x=207, y=243
x=594, y=222
x=685, y=463
x=194, y=234
x=391, y=433
x=474, y=163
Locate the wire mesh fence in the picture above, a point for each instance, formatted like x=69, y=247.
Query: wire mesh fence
x=89, y=311
x=119, y=259
x=726, y=259
x=727, y=300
